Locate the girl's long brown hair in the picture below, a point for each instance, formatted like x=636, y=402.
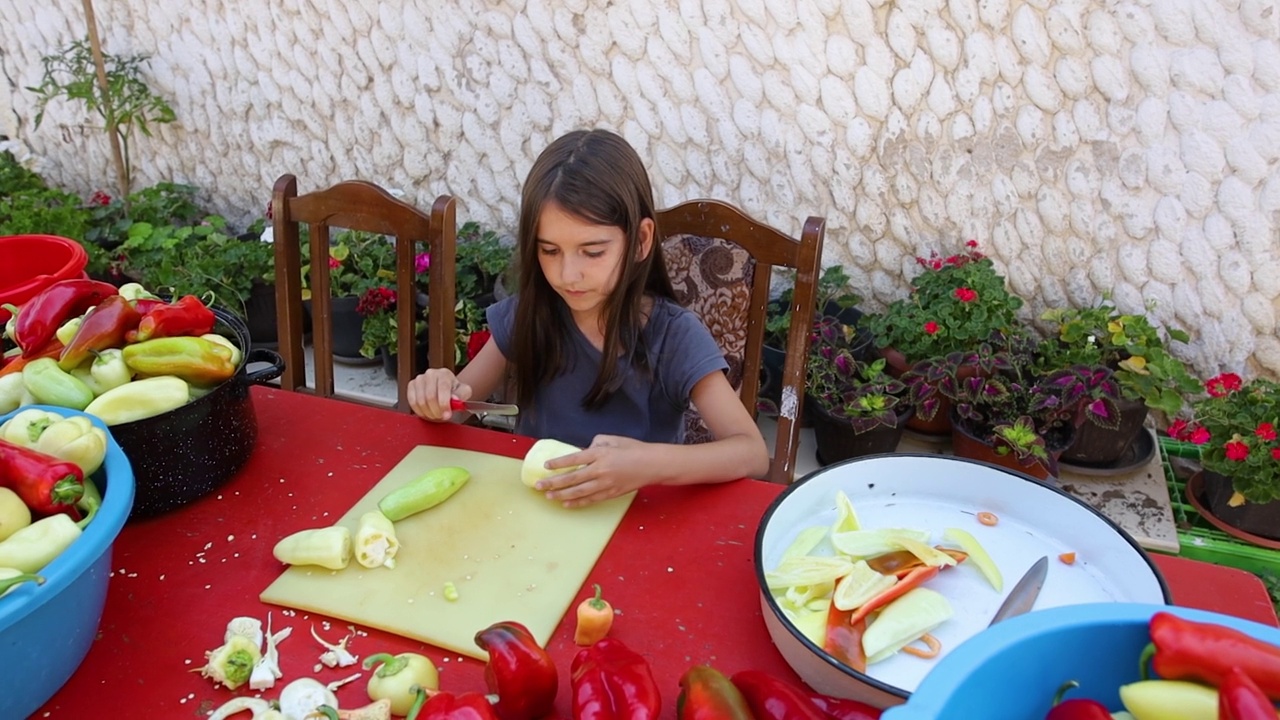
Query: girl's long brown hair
x=596, y=175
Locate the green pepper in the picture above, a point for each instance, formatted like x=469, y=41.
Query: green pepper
x=225, y=341
x=425, y=492
x=140, y=399
x=52, y=385
x=194, y=359
x=37, y=544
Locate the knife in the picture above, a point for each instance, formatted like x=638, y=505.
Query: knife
x=1023, y=596
x=483, y=407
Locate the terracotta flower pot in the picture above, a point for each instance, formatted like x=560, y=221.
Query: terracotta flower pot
x=837, y=441
x=1096, y=446
x=966, y=444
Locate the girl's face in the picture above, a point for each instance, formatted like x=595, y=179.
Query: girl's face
x=581, y=260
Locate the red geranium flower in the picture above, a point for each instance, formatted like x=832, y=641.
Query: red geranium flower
x=971, y=243
x=1265, y=432
x=966, y=295
x=476, y=342
x=1236, y=450
x=334, y=263
x=953, y=260
x=1224, y=384
x=1198, y=436
x=1178, y=429
x=931, y=327
x=99, y=198
x=1275, y=453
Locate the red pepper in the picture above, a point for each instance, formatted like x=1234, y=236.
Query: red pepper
x=46, y=484
x=104, y=327
x=611, y=681
x=187, y=316
x=43, y=314
x=911, y=581
x=519, y=671
x=52, y=349
x=447, y=706
x=1240, y=698
x=1076, y=708
x=147, y=304
x=843, y=640
x=1187, y=650
x=706, y=694
x=772, y=699
x=841, y=709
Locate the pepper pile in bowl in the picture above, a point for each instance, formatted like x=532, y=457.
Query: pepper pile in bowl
x=121, y=355
x=66, y=489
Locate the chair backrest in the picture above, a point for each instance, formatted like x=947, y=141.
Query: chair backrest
x=362, y=206
x=721, y=261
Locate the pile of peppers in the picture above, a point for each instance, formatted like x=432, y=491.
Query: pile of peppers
x=1205, y=672
x=80, y=343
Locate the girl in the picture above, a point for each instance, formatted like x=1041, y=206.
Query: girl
x=602, y=356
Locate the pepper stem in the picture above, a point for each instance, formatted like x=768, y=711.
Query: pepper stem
x=391, y=664
x=1144, y=660
x=597, y=602
x=328, y=711
x=1062, y=690
x=9, y=583
x=420, y=699
x=90, y=503
x=67, y=491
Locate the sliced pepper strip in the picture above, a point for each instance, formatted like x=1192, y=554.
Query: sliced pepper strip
x=843, y=640
x=911, y=581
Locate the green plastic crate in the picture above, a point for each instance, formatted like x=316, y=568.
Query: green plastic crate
x=1199, y=539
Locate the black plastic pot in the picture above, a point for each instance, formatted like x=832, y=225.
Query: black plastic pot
x=836, y=440
x=389, y=360
x=348, y=327
x=185, y=454
x=1261, y=519
x=1097, y=446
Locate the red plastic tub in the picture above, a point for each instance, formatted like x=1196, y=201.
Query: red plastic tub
x=31, y=263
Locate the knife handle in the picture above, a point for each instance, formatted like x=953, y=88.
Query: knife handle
x=456, y=404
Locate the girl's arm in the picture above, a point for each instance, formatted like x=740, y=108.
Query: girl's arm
x=429, y=393
x=616, y=465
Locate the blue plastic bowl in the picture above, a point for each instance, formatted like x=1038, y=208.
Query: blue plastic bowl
x=1012, y=670
x=46, y=630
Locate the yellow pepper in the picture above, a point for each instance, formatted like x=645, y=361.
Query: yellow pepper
x=1169, y=700
x=36, y=545
x=328, y=547
x=194, y=359
x=140, y=399
x=397, y=676
x=74, y=439
x=375, y=542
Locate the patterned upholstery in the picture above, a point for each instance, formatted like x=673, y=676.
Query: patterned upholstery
x=712, y=277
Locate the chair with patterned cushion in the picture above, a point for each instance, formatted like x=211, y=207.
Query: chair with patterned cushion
x=721, y=262
x=363, y=206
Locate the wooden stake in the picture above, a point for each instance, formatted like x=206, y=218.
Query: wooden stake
x=117, y=157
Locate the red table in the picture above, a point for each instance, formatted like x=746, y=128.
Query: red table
x=679, y=570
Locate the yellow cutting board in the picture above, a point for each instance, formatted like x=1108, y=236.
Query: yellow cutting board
x=511, y=553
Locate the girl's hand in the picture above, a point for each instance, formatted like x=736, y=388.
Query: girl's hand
x=611, y=466
x=430, y=392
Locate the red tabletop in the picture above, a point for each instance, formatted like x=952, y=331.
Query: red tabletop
x=679, y=570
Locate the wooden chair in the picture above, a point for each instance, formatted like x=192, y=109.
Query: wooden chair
x=358, y=205
x=721, y=262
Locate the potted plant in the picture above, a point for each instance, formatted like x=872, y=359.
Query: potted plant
x=954, y=304
x=358, y=261
x=482, y=259
x=1235, y=426
x=835, y=299
x=1008, y=411
x=1149, y=376
x=379, y=330
x=858, y=409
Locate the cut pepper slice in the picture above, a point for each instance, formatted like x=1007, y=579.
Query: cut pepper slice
x=978, y=554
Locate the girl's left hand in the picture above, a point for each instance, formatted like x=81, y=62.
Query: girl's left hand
x=611, y=466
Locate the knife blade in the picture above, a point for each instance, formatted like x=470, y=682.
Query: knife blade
x=1023, y=595
x=476, y=406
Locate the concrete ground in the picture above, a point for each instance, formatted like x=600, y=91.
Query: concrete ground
x=371, y=382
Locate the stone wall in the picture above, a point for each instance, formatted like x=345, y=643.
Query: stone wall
x=1122, y=147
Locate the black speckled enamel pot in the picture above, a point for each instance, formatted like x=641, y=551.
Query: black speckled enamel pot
x=187, y=453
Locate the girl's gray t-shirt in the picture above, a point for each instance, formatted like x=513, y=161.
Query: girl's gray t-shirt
x=648, y=407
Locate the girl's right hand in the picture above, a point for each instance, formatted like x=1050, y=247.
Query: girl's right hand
x=430, y=394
